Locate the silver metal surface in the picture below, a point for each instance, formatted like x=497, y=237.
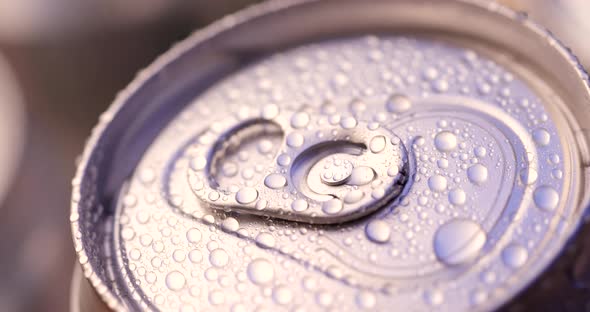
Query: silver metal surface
x=484, y=189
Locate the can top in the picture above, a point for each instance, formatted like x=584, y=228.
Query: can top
x=431, y=164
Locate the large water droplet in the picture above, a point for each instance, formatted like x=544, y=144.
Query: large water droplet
x=377, y=144
x=546, y=198
x=332, y=206
x=175, y=280
x=299, y=120
x=265, y=240
x=445, y=141
x=366, y=299
x=457, y=197
x=275, y=181
x=246, y=195
x=219, y=258
x=398, y=103
x=230, y=225
x=282, y=295
x=528, y=176
x=260, y=271
x=353, y=196
x=295, y=139
x=437, y=183
x=361, y=175
x=378, y=231
x=458, y=241
x=514, y=256
x=541, y=137
x=299, y=205
x=477, y=174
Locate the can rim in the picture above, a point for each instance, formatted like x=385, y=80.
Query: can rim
x=234, y=20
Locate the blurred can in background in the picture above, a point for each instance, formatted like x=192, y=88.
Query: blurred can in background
x=427, y=154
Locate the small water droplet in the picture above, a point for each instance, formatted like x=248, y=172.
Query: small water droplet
x=295, y=139
x=377, y=144
x=230, y=225
x=348, y=122
x=299, y=205
x=528, y=176
x=265, y=240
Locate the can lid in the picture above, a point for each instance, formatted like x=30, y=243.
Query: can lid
x=488, y=132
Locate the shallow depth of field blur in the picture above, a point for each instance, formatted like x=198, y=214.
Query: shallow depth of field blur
x=61, y=64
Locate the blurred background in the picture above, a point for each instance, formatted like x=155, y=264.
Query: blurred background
x=61, y=64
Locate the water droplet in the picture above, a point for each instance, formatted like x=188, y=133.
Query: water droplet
x=378, y=231
x=332, y=206
x=299, y=205
x=445, y=141
x=299, y=120
x=353, y=196
x=284, y=160
x=229, y=169
x=434, y=297
x=541, y=137
x=282, y=295
x=260, y=271
x=398, y=103
x=175, y=280
x=193, y=235
x=514, y=256
x=198, y=163
x=377, y=144
x=275, y=181
x=366, y=299
x=264, y=146
x=477, y=174
x=295, y=139
x=546, y=198
x=230, y=225
x=361, y=175
x=480, y=151
x=219, y=258
x=528, y=176
x=348, y=122
x=458, y=241
x=457, y=197
x=246, y=195
x=265, y=240
x=270, y=111
x=437, y=183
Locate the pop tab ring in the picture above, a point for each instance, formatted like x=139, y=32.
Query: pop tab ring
x=326, y=171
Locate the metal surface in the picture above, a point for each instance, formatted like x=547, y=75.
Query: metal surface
x=491, y=120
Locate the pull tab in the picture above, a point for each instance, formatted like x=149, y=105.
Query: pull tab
x=326, y=171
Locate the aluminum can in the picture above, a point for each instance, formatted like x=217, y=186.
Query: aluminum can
x=337, y=155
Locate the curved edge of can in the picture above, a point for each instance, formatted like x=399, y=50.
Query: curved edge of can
x=228, y=22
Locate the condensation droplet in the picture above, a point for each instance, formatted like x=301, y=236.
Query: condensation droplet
x=458, y=241
x=377, y=144
x=477, y=174
x=541, y=137
x=246, y=195
x=457, y=197
x=260, y=271
x=437, y=183
x=332, y=206
x=175, y=280
x=398, y=103
x=514, y=256
x=378, y=231
x=546, y=198
x=445, y=141
x=275, y=181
